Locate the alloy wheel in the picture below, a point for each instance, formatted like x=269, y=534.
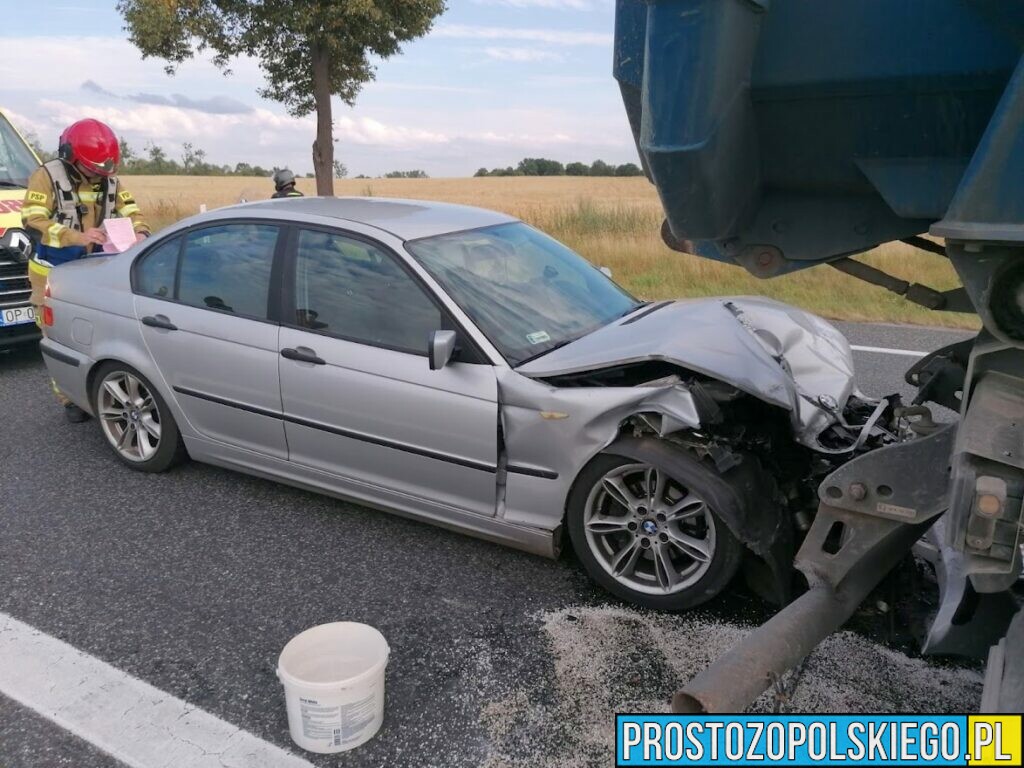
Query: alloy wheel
x=648, y=531
x=129, y=416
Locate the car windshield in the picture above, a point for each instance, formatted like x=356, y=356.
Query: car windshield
x=527, y=292
x=16, y=160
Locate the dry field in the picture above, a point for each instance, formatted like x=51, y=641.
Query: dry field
x=612, y=222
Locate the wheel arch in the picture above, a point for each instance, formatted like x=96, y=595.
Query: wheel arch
x=163, y=458
x=154, y=377
x=738, y=496
x=100, y=364
x=93, y=372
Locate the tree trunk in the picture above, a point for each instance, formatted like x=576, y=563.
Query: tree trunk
x=323, y=147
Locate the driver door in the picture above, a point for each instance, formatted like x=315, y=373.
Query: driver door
x=359, y=398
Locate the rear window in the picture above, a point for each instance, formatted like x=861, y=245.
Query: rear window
x=154, y=273
x=225, y=268
x=228, y=268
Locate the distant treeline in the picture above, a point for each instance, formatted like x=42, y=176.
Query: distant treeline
x=541, y=166
x=406, y=175
x=155, y=161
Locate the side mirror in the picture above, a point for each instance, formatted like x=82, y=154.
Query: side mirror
x=606, y=271
x=442, y=347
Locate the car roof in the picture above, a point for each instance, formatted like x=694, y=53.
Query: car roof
x=406, y=219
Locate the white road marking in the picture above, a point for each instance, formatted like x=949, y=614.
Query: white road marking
x=130, y=720
x=888, y=351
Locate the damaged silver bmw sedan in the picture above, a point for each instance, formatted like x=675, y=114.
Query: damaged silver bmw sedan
x=456, y=365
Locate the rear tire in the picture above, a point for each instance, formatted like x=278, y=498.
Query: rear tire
x=646, y=537
x=135, y=420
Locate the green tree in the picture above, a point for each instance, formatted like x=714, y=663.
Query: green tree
x=406, y=175
x=601, y=168
x=157, y=162
x=308, y=51
x=193, y=161
x=128, y=156
x=577, y=169
x=481, y=172
x=33, y=141
x=528, y=167
x=550, y=167
x=629, y=169
x=540, y=166
x=340, y=170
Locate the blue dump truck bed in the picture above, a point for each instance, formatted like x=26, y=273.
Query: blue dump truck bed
x=785, y=133
x=781, y=134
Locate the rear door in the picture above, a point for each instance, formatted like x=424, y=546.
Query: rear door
x=359, y=398
x=204, y=303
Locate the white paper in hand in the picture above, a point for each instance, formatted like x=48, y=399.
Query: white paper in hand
x=120, y=235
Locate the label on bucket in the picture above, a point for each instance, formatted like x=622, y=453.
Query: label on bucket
x=337, y=724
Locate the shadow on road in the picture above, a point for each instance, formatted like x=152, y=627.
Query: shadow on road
x=21, y=357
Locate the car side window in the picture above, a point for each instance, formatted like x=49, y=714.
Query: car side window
x=154, y=272
x=227, y=268
x=353, y=290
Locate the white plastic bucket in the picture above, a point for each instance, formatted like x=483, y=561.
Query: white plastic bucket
x=333, y=678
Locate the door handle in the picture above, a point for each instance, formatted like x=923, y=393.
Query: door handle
x=159, y=321
x=303, y=355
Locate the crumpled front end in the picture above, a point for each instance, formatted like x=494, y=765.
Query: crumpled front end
x=776, y=353
x=815, y=358
x=763, y=391
x=550, y=432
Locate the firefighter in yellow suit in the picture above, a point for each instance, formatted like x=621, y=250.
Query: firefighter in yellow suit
x=65, y=205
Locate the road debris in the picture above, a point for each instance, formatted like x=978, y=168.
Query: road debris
x=611, y=659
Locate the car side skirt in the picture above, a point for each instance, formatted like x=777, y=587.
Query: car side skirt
x=533, y=540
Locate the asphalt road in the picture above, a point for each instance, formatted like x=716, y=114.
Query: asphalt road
x=194, y=580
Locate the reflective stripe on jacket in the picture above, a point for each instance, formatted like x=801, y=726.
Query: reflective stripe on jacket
x=60, y=205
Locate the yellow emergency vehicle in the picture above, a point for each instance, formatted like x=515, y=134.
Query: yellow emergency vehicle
x=17, y=162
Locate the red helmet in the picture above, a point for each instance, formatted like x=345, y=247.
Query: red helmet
x=92, y=145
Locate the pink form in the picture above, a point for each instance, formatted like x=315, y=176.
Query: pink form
x=120, y=235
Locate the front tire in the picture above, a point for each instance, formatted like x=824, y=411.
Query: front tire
x=647, y=537
x=135, y=419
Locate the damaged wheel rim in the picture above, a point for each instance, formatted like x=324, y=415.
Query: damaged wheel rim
x=648, y=531
x=129, y=416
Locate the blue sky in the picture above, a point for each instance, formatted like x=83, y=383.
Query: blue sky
x=496, y=80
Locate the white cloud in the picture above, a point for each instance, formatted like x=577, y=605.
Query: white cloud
x=522, y=55
x=22, y=122
x=462, y=119
x=163, y=123
x=524, y=139
x=570, y=81
x=366, y=130
x=556, y=36
x=160, y=122
x=379, y=85
x=120, y=68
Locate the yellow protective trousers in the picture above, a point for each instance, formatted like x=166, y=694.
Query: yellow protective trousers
x=37, y=274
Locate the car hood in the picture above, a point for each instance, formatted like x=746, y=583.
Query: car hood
x=775, y=352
